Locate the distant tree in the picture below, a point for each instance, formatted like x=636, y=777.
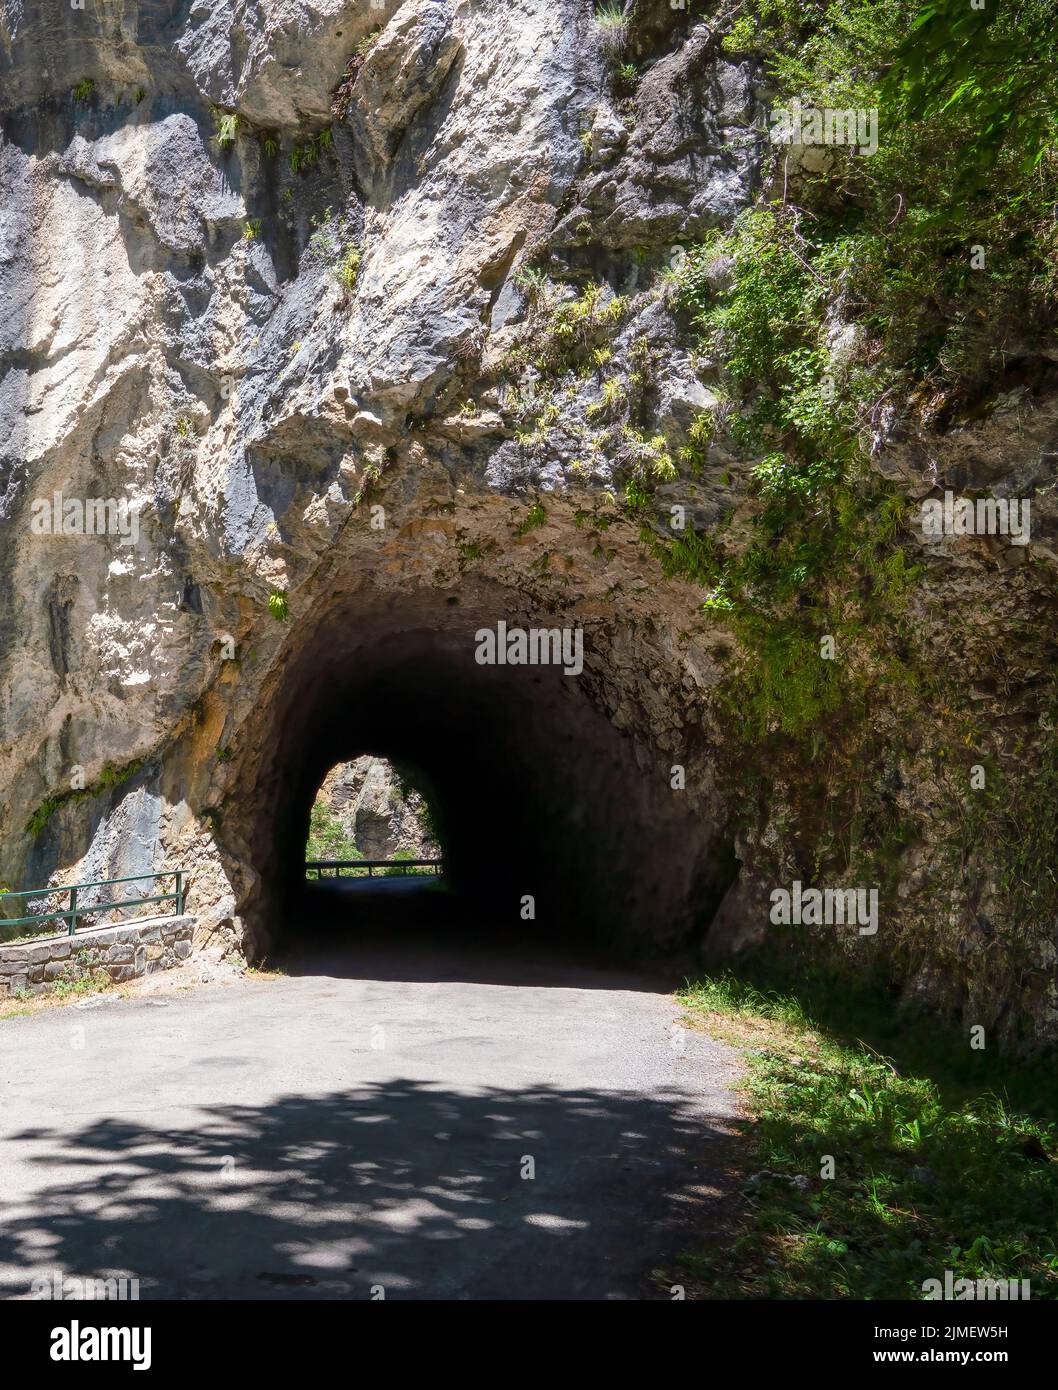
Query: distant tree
x=327, y=837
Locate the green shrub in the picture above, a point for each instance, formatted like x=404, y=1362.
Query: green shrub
x=327, y=838
x=349, y=269
x=536, y=516
x=613, y=27
x=226, y=127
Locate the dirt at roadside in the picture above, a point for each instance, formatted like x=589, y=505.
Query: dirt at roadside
x=178, y=980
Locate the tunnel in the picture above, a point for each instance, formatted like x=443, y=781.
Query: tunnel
x=553, y=820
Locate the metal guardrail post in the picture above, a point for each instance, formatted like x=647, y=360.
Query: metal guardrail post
x=337, y=868
x=179, y=893
x=73, y=912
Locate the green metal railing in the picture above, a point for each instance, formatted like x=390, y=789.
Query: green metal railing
x=320, y=866
x=82, y=909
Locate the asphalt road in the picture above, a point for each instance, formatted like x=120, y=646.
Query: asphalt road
x=432, y=1122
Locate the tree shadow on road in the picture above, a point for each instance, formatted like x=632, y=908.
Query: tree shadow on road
x=415, y=1189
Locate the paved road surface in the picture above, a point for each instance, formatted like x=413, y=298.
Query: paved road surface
x=365, y=1121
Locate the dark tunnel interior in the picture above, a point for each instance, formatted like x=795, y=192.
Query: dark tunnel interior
x=537, y=793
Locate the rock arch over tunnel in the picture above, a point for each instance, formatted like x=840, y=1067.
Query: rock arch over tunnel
x=538, y=791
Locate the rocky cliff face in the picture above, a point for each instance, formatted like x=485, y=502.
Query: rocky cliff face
x=380, y=816
x=274, y=279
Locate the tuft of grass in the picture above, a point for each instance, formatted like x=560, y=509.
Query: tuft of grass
x=252, y=228
x=84, y=89
x=367, y=43
x=226, y=127
x=277, y=605
x=81, y=975
x=42, y=815
x=695, y=557
x=349, y=269
x=307, y=156
x=475, y=550
x=532, y=281
x=613, y=26
x=944, y=1158
x=574, y=329
x=534, y=517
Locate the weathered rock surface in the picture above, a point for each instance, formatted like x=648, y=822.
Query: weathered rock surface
x=383, y=818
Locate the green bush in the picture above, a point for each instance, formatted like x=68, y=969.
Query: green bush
x=327, y=838
x=884, y=244
x=226, y=125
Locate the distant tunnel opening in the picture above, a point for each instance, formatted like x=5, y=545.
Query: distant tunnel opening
x=552, y=820
x=372, y=812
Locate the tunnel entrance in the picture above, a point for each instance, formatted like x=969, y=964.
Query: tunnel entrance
x=553, y=819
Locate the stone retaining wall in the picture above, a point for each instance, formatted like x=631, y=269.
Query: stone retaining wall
x=124, y=951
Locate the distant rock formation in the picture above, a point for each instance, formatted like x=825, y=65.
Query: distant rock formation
x=382, y=816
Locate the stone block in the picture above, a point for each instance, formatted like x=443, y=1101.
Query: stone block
x=124, y=936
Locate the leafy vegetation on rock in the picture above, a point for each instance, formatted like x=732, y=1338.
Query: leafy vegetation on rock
x=226, y=125
x=112, y=775
x=861, y=296
x=327, y=837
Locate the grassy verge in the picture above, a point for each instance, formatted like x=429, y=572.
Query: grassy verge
x=943, y=1158
x=80, y=977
